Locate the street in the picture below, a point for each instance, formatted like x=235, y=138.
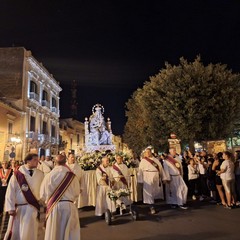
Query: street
x=200, y=221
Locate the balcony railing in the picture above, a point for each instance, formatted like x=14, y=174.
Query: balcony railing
x=34, y=96
x=54, y=110
x=53, y=140
x=43, y=138
x=32, y=135
x=45, y=103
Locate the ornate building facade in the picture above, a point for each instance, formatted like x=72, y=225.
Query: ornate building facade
x=29, y=87
x=72, y=137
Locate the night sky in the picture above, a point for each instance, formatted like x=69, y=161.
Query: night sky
x=112, y=47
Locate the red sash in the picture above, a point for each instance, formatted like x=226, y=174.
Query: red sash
x=123, y=179
x=59, y=191
x=29, y=196
x=174, y=163
x=5, y=177
x=103, y=172
x=153, y=163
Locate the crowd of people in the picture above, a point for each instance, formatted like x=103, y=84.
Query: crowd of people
x=213, y=177
x=56, y=185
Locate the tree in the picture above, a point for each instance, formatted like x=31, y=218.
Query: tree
x=194, y=101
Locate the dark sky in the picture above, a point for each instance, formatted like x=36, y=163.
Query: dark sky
x=111, y=47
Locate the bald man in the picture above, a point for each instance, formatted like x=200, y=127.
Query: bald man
x=104, y=176
x=59, y=190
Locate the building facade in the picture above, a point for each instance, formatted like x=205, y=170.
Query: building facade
x=72, y=136
x=10, y=129
x=29, y=87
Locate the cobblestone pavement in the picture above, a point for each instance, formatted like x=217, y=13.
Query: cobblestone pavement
x=200, y=221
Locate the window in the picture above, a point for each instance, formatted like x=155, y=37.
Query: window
x=44, y=128
x=78, y=139
x=10, y=128
x=54, y=102
x=53, y=131
x=44, y=95
x=32, y=124
x=33, y=87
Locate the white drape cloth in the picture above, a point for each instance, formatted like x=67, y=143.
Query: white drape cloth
x=25, y=224
x=89, y=189
x=63, y=221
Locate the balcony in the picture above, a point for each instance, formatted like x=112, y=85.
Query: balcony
x=43, y=138
x=54, y=110
x=34, y=96
x=45, y=103
x=32, y=135
x=53, y=140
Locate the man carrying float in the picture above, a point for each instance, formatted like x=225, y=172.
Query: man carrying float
x=121, y=176
x=104, y=182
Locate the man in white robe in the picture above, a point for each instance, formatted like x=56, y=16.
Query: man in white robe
x=176, y=189
x=121, y=176
x=63, y=221
x=45, y=165
x=151, y=174
x=23, y=220
x=77, y=170
x=104, y=179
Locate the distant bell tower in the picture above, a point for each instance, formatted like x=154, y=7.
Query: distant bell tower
x=74, y=103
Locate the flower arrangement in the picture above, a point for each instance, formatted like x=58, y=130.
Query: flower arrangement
x=90, y=161
x=116, y=194
x=128, y=160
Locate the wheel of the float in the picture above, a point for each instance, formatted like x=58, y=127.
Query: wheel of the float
x=135, y=214
x=108, y=217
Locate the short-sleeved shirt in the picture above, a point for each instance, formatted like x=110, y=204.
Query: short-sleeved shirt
x=228, y=166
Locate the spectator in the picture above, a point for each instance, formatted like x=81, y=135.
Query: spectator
x=193, y=179
x=216, y=167
x=211, y=180
x=228, y=178
x=237, y=176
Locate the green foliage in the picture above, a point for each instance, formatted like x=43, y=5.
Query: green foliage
x=194, y=101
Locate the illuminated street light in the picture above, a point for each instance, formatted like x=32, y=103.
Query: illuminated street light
x=15, y=140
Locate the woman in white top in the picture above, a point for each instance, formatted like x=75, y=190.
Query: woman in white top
x=228, y=178
x=193, y=178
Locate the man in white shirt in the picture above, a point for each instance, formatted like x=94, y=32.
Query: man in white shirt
x=121, y=177
x=176, y=189
x=59, y=190
x=104, y=179
x=45, y=165
x=151, y=174
x=77, y=170
x=22, y=200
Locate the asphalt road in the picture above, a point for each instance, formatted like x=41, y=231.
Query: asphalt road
x=201, y=221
